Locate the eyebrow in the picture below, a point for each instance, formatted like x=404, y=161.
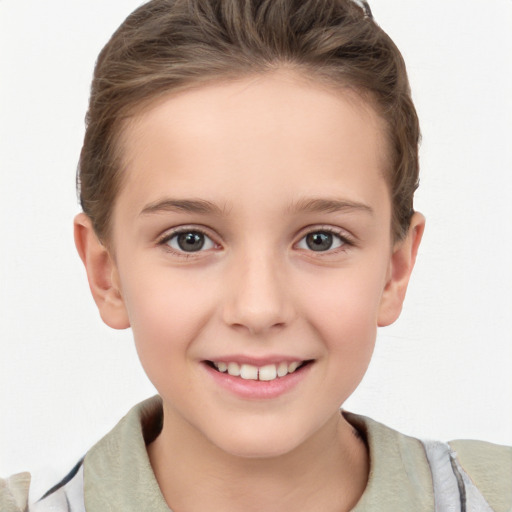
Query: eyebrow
x=322, y=205
x=305, y=205
x=182, y=205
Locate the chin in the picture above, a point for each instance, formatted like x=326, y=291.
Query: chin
x=258, y=451
x=263, y=444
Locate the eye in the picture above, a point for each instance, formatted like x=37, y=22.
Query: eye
x=321, y=241
x=190, y=241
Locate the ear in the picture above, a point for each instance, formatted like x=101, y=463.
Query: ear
x=102, y=274
x=400, y=268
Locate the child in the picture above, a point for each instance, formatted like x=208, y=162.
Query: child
x=247, y=178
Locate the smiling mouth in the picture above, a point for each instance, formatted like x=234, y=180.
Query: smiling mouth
x=265, y=373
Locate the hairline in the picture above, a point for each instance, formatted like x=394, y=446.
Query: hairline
x=297, y=71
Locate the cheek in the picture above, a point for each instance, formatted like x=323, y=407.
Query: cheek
x=347, y=324
x=166, y=314
x=349, y=330
x=344, y=309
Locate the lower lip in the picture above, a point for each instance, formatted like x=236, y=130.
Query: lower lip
x=259, y=389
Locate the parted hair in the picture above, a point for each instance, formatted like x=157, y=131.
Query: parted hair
x=168, y=45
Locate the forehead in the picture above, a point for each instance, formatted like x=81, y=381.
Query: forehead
x=259, y=137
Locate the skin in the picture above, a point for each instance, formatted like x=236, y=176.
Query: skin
x=268, y=154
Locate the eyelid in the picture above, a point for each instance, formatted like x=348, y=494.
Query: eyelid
x=163, y=239
x=348, y=239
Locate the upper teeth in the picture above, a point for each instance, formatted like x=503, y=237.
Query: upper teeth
x=250, y=372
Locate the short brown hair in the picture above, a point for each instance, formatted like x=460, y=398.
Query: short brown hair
x=167, y=45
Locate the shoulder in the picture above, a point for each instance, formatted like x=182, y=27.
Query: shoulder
x=398, y=461
x=490, y=468
x=17, y=493
x=14, y=493
x=109, y=464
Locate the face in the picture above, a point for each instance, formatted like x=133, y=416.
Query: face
x=252, y=256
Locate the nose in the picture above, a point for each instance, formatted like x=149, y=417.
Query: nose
x=258, y=299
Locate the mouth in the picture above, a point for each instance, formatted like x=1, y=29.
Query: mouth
x=266, y=373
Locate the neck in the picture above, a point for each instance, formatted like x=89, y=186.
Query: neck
x=328, y=472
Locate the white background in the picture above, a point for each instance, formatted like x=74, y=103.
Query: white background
x=443, y=371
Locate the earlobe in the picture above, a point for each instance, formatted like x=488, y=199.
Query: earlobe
x=400, y=268
x=101, y=274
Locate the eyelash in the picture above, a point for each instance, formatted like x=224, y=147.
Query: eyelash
x=346, y=240
x=164, y=240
